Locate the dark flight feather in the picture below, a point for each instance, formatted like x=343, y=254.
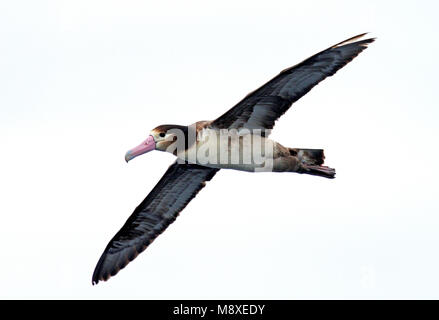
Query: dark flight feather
x=173, y=192
x=262, y=107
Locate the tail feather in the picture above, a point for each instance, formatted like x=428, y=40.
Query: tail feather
x=311, y=161
x=321, y=171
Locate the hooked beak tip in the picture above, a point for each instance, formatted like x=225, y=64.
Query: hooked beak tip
x=128, y=156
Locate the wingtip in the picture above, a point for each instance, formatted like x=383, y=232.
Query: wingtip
x=95, y=277
x=98, y=274
x=95, y=280
x=353, y=39
x=102, y=276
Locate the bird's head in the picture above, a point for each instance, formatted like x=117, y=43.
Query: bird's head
x=163, y=138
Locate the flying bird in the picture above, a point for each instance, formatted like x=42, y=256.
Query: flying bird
x=228, y=142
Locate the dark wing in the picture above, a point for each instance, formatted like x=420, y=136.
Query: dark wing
x=262, y=107
x=160, y=208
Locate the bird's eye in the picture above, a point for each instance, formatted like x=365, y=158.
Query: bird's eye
x=162, y=134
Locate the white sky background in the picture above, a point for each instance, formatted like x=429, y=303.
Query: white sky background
x=81, y=82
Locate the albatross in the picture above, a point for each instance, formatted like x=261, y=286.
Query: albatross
x=238, y=140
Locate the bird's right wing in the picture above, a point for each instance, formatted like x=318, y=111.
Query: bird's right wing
x=262, y=107
x=160, y=208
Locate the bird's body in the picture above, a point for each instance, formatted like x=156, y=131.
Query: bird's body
x=228, y=149
x=243, y=150
x=238, y=140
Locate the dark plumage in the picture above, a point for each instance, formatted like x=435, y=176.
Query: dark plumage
x=262, y=107
x=176, y=188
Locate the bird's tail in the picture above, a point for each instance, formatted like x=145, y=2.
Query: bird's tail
x=308, y=156
x=321, y=171
x=311, y=161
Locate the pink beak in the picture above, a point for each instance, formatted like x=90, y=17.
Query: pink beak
x=144, y=147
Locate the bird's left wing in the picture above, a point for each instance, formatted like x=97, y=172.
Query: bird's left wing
x=160, y=208
x=262, y=107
